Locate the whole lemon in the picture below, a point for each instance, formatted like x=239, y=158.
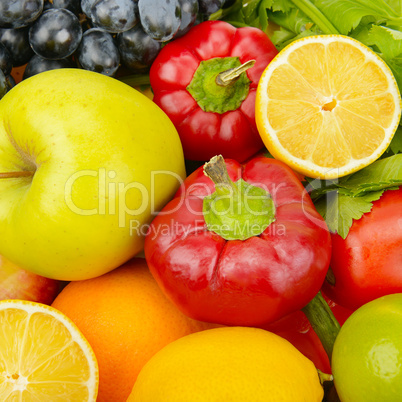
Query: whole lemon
x=228, y=364
x=86, y=161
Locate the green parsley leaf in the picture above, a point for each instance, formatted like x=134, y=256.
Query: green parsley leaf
x=339, y=210
x=348, y=198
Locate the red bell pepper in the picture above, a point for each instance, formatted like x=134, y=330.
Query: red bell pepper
x=296, y=328
x=367, y=264
x=242, y=253
x=213, y=113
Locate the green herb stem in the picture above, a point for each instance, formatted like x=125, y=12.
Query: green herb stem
x=316, y=16
x=323, y=322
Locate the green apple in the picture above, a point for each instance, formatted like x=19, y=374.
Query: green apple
x=86, y=161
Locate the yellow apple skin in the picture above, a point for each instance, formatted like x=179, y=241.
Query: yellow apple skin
x=104, y=160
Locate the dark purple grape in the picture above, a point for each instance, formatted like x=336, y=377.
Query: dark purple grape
x=19, y=13
x=3, y=84
x=115, y=16
x=189, y=12
x=17, y=43
x=98, y=52
x=72, y=5
x=86, y=6
x=56, y=34
x=208, y=7
x=47, y=5
x=10, y=81
x=6, y=61
x=38, y=64
x=160, y=19
x=228, y=3
x=137, y=49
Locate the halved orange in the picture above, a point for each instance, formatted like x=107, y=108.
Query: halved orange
x=43, y=356
x=327, y=106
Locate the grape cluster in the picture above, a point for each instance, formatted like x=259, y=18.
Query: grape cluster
x=96, y=35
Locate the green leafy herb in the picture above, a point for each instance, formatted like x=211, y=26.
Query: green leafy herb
x=347, y=14
x=339, y=210
x=341, y=201
x=389, y=43
x=396, y=144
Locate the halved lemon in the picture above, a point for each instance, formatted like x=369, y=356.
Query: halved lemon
x=43, y=356
x=327, y=106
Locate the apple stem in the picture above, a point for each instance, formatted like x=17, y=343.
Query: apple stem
x=15, y=175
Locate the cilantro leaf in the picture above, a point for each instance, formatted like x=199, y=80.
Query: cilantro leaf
x=348, y=198
x=339, y=210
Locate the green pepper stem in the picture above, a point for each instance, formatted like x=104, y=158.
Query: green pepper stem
x=324, y=376
x=219, y=98
x=235, y=211
x=15, y=175
x=216, y=170
x=323, y=322
x=227, y=77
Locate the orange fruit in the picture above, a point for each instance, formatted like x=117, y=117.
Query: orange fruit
x=126, y=319
x=43, y=356
x=327, y=106
x=228, y=364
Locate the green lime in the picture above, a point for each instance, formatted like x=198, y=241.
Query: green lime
x=367, y=354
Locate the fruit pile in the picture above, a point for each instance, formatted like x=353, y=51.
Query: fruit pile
x=230, y=229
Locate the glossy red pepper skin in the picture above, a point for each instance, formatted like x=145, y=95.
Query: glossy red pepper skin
x=296, y=328
x=235, y=282
x=367, y=264
x=232, y=134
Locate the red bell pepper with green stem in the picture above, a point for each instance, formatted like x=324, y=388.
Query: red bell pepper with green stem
x=239, y=244
x=367, y=263
x=206, y=83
